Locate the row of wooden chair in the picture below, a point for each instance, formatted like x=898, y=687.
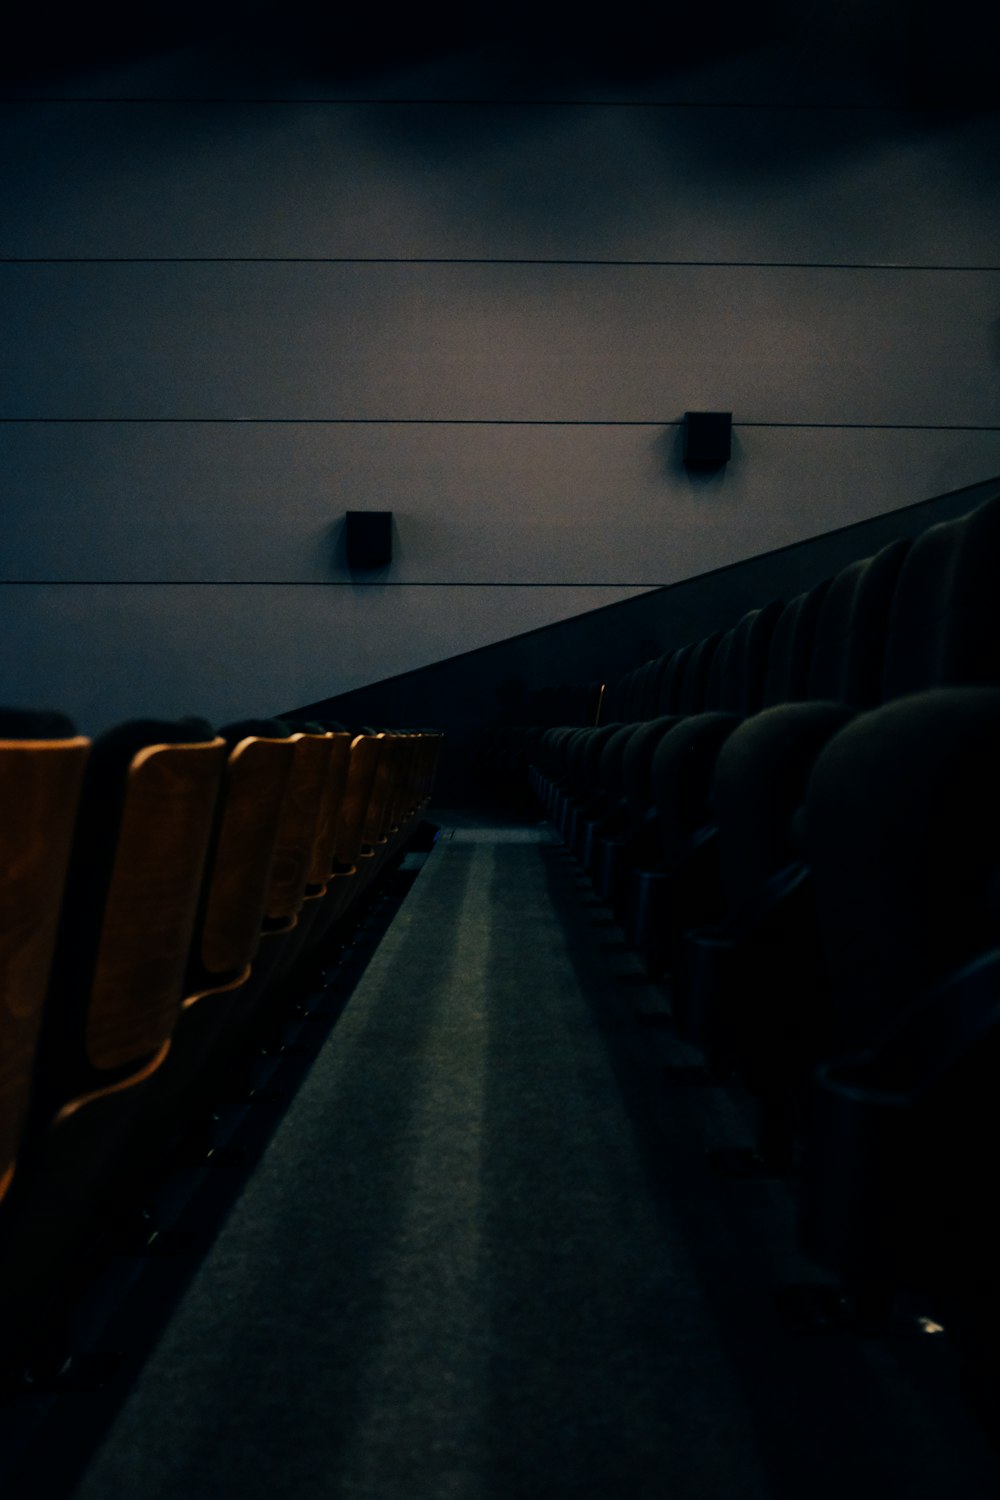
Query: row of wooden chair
x=162, y=886
x=796, y=823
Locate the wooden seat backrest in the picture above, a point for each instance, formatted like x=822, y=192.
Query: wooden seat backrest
x=152, y=898
x=378, y=802
x=401, y=789
x=331, y=808
x=301, y=811
x=361, y=773
x=253, y=792
x=39, y=792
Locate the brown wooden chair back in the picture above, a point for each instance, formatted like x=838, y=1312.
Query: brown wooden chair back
x=39, y=792
x=238, y=883
x=331, y=809
x=361, y=773
x=376, y=817
x=151, y=903
x=297, y=835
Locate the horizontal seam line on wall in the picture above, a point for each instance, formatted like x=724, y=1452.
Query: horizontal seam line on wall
x=483, y=422
x=472, y=260
x=926, y=107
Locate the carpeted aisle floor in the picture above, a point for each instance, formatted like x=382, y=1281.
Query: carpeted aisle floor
x=483, y=1258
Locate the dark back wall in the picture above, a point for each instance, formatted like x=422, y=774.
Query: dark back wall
x=250, y=286
x=489, y=686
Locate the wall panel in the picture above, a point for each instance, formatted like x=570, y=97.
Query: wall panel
x=499, y=343
x=594, y=505
x=107, y=653
x=223, y=323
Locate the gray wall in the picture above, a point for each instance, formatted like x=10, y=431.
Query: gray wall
x=238, y=301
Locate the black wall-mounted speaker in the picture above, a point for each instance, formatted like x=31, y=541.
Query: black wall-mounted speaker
x=368, y=539
x=708, y=439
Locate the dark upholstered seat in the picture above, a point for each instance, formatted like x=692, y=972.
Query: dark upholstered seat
x=768, y=648
x=901, y=827
x=594, y=794
x=762, y=770
x=759, y=779
x=746, y=979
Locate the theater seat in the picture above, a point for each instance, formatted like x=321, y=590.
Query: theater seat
x=337, y=744
x=760, y=775
x=300, y=823
x=594, y=793
x=745, y=1004
x=226, y=936
x=630, y=842
x=376, y=828
x=132, y=887
x=41, y=769
x=241, y=855
x=350, y=860
x=382, y=786
x=677, y=881
x=672, y=681
x=901, y=827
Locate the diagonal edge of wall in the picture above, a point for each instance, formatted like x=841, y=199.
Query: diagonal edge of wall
x=462, y=694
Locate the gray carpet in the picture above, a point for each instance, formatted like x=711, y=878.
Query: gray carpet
x=482, y=1258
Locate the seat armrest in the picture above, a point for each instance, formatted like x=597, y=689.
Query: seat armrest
x=903, y=1135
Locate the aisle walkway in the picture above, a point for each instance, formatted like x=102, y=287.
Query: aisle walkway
x=482, y=1258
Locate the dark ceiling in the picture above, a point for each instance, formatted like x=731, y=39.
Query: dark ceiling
x=940, y=54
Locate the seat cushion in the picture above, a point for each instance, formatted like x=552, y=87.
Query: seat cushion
x=902, y=831
x=681, y=777
x=760, y=779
